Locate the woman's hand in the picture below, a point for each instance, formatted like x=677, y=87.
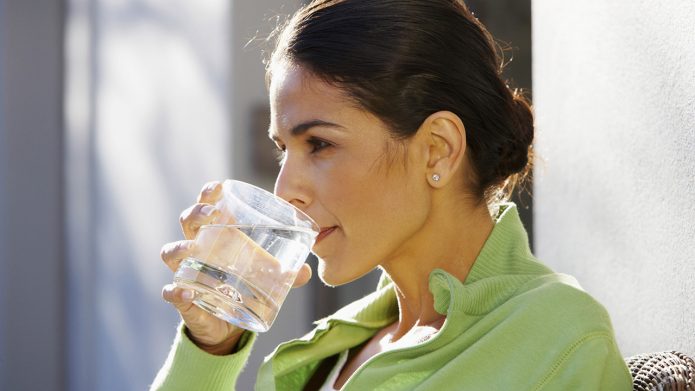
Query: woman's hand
x=210, y=333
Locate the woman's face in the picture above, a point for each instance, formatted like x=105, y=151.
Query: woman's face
x=368, y=194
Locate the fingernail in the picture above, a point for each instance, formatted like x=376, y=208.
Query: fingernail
x=207, y=210
x=210, y=187
x=187, y=295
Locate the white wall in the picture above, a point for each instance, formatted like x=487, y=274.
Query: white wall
x=159, y=99
x=147, y=88
x=614, y=90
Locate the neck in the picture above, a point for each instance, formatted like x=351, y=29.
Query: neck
x=451, y=240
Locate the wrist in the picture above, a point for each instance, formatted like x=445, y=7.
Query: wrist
x=228, y=346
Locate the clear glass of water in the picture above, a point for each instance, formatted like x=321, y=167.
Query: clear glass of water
x=244, y=263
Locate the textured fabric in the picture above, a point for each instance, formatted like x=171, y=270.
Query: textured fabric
x=513, y=324
x=189, y=368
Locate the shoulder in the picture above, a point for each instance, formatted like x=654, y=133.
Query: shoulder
x=547, y=332
x=557, y=302
x=577, y=333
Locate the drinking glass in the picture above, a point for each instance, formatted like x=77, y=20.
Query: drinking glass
x=243, y=264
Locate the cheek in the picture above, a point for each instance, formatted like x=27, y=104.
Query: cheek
x=395, y=214
x=343, y=184
x=369, y=193
x=375, y=229
x=378, y=208
x=380, y=213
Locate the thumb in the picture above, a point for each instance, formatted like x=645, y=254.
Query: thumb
x=303, y=276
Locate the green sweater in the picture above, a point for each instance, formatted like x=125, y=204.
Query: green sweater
x=513, y=324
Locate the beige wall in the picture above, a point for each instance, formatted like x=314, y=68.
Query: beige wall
x=614, y=90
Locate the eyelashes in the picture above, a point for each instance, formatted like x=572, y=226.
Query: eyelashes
x=315, y=144
x=280, y=155
x=279, y=151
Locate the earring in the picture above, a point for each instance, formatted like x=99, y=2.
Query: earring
x=436, y=177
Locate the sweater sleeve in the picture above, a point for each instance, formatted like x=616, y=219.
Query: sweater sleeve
x=189, y=368
x=593, y=363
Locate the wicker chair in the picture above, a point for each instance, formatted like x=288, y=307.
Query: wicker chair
x=663, y=371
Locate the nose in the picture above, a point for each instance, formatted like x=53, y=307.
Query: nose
x=292, y=184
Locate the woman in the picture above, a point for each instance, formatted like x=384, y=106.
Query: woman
x=400, y=139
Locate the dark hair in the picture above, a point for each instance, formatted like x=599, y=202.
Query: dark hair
x=403, y=60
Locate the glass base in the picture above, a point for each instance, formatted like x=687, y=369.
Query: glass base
x=225, y=295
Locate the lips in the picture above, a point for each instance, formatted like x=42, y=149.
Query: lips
x=325, y=232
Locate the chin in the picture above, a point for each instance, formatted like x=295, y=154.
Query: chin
x=326, y=277
x=332, y=277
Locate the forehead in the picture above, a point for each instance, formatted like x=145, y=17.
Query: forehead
x=291, y=81
x=297, y=96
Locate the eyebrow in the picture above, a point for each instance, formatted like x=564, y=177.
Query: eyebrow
x=302, y=128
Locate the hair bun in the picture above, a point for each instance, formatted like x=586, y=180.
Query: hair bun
x=516, y=154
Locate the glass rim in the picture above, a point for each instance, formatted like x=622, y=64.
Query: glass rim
x=314, y=226
x=263, y=226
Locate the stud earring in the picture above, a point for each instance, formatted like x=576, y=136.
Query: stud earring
x=436, y=177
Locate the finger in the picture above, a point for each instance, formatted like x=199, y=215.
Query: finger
x=196, y=216
x=211, y=193
x=303, y=276
x=195, y=317
x=203, y=327
x=172, y=253
x=181, y=298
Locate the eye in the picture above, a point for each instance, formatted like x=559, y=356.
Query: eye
x=317, y=144
x=280, y=154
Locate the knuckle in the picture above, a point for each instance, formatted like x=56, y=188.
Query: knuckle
x=170, y=251
x=164, y=252
x=189, y=213
x=209, y=188
x=184, y=215
x=198, y=208
x=183, y=246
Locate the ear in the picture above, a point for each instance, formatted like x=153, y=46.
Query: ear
x=446, y=146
